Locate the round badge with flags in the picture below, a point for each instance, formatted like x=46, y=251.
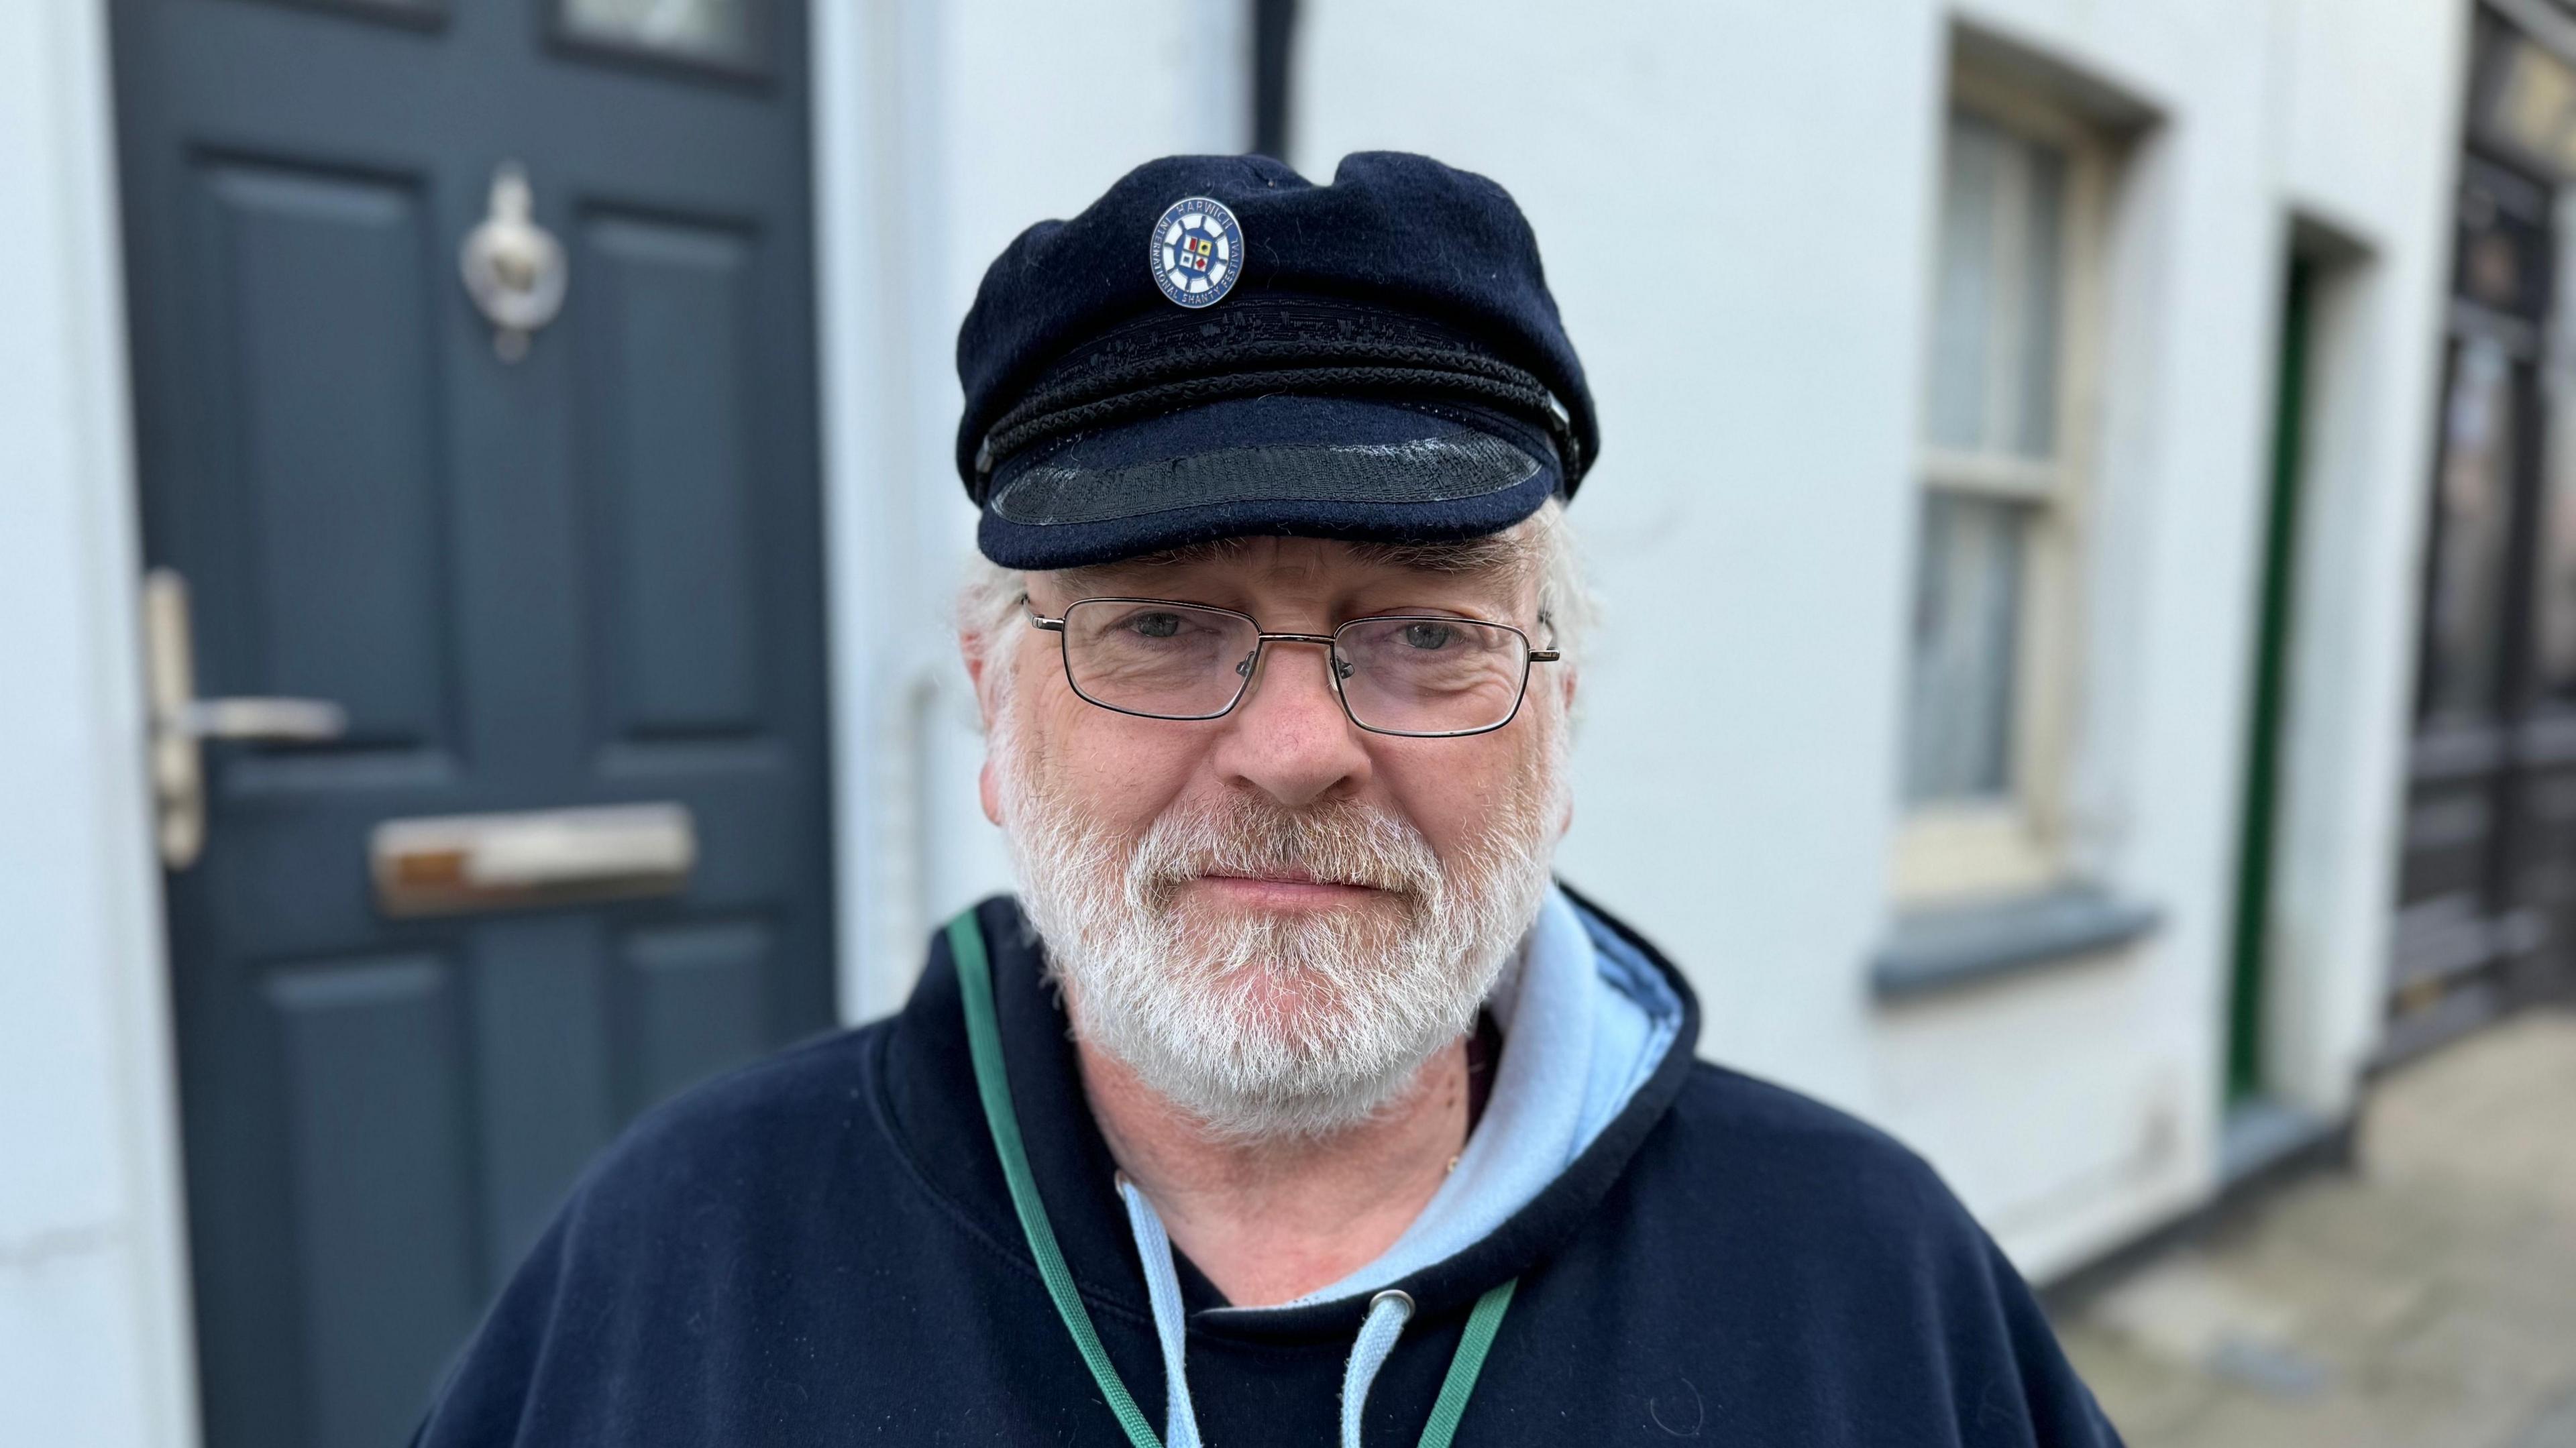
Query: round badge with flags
x=1196, y=251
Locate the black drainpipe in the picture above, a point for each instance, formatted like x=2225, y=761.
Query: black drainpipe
x=1274, y=28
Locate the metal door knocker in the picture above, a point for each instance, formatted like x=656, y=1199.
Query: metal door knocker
x=513, y=268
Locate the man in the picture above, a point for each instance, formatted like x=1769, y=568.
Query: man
x=1290, y=1101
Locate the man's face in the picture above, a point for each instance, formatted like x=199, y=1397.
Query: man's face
x=1274, y=917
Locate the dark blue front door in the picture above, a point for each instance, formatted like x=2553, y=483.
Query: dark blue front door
x=571, y=568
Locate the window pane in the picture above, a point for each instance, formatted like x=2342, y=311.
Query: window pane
x=2556, y=590
x=1964, y=305
x=2041, y=283
x=2473, y=503
x=1967, y=623
x=721, y=31
x=2554, y=599
x=1999, y=288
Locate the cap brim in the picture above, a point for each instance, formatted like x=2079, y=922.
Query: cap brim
x=1287, y=464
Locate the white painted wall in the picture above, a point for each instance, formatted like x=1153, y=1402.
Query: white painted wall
x=94, y=1345
x=941, y=131
x=1758, y=383
x=2379, y=357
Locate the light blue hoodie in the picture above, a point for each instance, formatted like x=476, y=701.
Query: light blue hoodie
x=1585, y=1020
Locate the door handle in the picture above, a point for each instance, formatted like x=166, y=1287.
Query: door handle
x=181, y=721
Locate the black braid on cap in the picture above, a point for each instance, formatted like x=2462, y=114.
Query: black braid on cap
x=1198, y=375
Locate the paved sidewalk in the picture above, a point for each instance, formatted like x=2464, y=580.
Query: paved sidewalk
x=2429, y=1299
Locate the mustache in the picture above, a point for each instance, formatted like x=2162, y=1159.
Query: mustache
x=1337, y=842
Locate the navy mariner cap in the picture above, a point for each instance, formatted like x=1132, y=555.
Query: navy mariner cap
x=1220, y=347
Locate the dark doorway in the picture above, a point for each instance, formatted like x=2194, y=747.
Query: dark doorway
x=2487, y=898
x=472, y=574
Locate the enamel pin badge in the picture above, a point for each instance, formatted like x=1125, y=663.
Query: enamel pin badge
x=1196, y=251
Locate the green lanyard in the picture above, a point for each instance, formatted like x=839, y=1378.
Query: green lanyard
x=984, y=1042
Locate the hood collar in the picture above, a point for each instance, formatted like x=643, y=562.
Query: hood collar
x=925, y=1087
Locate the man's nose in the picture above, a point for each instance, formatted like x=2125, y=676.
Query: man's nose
x=1289, y=737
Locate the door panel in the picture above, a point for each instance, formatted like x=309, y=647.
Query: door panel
x=587, y=576
x=668, y=394
x=376, y=1137
x=317, y=284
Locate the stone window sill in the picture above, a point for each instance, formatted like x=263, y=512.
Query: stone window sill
x=1932, y=951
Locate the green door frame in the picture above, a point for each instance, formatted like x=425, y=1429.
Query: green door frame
x=2271, y=669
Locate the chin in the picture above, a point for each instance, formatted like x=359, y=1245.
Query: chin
x=1288, y=1005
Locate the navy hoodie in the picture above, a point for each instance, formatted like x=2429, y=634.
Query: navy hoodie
x=820, y=1249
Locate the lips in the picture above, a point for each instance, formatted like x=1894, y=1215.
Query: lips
x=1270, y=893
x=1287, y=877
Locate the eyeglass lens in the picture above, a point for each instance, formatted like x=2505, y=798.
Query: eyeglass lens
x=1399, y=674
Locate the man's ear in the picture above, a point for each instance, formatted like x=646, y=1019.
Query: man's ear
x=1565, y=720
x=988, y=784
x=973, y=656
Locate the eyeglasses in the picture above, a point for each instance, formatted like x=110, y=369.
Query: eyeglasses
x=1420, y=675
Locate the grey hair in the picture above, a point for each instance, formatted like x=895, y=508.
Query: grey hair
x=988, y=603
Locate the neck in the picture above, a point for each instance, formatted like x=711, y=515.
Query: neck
x=1270, y=1221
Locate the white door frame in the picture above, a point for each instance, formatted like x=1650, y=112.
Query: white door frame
x=96, y=1344
x=885, y=406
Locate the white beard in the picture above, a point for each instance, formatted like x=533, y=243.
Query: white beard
x=1266, y=1025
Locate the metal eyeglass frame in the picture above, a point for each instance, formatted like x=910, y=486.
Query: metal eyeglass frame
x=1262, y=640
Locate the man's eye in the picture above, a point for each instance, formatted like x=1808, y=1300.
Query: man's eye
x=1154, y=625
x=1428, y=635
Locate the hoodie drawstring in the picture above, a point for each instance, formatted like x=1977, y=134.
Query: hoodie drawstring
x=1163, y=1289
x=1387, y=1314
